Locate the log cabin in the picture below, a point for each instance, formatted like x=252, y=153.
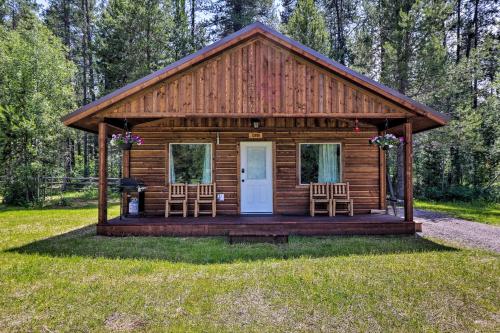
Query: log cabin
x=251, y=113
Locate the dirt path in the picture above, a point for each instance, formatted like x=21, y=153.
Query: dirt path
x=458, y=231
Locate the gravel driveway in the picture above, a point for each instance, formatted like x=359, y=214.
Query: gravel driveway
x=458, y=231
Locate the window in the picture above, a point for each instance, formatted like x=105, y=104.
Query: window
x=256, y=163
x=319, y=163
x=190, y=163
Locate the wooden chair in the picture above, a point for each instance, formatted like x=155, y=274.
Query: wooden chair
x=205, y=195
x=319, y=193
x=340, y=195
x=177, y=195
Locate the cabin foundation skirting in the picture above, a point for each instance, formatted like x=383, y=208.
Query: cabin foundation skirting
x=294, y=225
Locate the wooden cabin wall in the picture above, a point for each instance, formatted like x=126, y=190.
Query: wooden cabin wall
x=360, y=165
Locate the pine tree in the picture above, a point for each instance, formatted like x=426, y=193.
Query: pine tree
x=307, y=25
x=340, y=15
x=73, y=22
x=288, y=7
x=12, y=12
x=182, y=41
x=131, y=40
x=232, y=15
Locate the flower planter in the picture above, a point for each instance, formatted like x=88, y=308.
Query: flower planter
x=386, y=141
x=125, y=146
x=125, y=141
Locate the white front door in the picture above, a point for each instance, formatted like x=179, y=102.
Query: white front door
x=256, y=177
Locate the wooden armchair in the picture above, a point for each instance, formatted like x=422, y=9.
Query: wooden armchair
x=340, y=195
x=205, y=195
x=177, y=195
x=319, y=193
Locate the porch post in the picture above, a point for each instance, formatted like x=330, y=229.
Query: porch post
x=408, y=171
x=382, y=177
x=125, y=174
x=103, y=174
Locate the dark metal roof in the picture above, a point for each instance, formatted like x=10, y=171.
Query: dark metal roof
x=260, y=28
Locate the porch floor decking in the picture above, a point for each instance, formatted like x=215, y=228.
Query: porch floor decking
x=363, y=224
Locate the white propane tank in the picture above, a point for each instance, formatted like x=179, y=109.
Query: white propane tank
x=133, y=206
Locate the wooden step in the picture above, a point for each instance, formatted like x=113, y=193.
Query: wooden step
x=242, y=236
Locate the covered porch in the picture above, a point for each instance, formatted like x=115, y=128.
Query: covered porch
x=290, y=198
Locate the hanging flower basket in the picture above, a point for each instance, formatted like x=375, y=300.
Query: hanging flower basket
x=125, y=146
x=126, y=141
x=386, y=141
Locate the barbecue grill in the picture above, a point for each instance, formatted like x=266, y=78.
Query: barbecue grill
x=131, y=185
x=128, y=185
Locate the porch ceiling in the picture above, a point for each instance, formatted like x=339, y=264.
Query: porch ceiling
x=222, y=124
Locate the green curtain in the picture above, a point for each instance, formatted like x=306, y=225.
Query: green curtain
x=328, y=166
x=172, y=169
x=207, y=165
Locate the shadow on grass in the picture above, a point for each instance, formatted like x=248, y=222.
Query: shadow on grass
x=208, y=250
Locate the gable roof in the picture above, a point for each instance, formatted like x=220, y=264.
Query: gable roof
x=433, y=118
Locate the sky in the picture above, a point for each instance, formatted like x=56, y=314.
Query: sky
x=43, y=3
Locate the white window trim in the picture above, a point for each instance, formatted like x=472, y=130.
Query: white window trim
x=192, y=143
x=299, y=162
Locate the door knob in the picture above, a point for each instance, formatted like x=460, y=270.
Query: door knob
x=242, y=180
x=243, y=170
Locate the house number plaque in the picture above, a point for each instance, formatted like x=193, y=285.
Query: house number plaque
x=254, y=135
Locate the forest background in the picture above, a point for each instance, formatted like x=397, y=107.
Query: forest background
x=57, y=55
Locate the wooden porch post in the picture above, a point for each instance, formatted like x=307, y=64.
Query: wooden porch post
x=103, y=174
x=382, y=176
x=408, y=171
x=125, y=174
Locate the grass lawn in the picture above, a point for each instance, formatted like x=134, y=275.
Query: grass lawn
x=56, y=275
x=477, y=211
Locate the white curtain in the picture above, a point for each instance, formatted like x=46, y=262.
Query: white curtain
x=172, y=169
x=328, y=166
x=207, y=165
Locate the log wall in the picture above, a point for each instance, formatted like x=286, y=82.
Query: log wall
x=360, y=163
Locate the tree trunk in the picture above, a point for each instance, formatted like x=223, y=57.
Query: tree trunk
x=66, y=21
x=459, y=23
x=237, y=14
x=86, y=172
x=90, y=60
x=148, y=44
x=456, y=165
x=403, y=83
x=84, y=57
x=193, y=21
x=400, y=188
x=85, y=87
x=72, y=152
x=96, y=155
x=382, y=40
x=340, y=31
x=67, y=164
x=476, y=33
x=14, y=19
